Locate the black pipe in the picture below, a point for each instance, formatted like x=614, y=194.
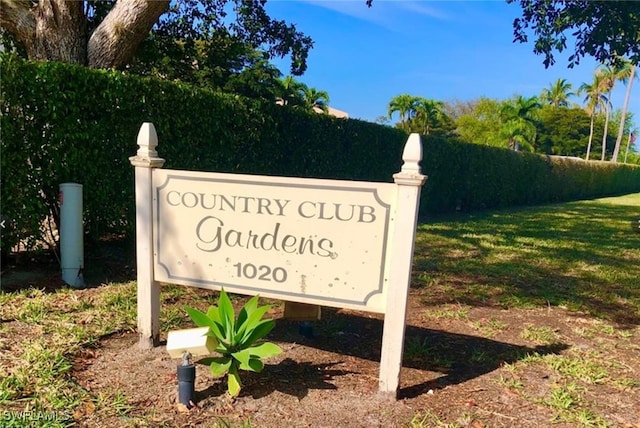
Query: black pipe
x=186, y=381
x=306, y=329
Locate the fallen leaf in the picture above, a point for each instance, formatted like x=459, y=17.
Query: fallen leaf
x=89, y=407
x=182, y=408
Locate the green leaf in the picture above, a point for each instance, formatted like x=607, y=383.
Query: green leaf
x=243, y=356
x=253, y=365
x=233, y=383
x=256, y=365
x=207, y=360
x=250, y=324
x=261, y=330
x=245, y=312
x=218, y=332
x=253, y=322
x=265, y=350
x=214, y=314
x=219, y=365
x=227, y=314
x=199, y=318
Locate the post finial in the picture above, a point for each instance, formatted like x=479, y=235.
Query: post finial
x=410, y=173
x=412, y=154
x=147, y=143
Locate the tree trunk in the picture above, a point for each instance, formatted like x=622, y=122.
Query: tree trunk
x=593, y=115
x=625, y=106
x=606, y=128
x=116, y=39
x=53, y=30
x=17, y=19
x=56, y=30
x=61, y=32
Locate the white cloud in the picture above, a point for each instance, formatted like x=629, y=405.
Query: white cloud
x=390, y=14
x=421, y=8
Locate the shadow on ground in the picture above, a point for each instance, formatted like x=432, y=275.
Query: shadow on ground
x=451, y=358
x=105, y=262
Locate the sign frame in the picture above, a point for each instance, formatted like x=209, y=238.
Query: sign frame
x=165, y=214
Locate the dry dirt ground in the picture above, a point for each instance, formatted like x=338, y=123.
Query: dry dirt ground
x=458, y=371
x=452, y=375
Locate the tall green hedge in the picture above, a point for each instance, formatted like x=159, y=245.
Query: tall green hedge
x=471, y=177
x=62, y=123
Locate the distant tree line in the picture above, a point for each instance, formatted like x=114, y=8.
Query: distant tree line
x=549, y=123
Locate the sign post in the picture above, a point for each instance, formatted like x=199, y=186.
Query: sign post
x=409, y=181
x=145, y=160
x=345, y=244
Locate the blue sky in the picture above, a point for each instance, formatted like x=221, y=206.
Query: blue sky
x=443, y=50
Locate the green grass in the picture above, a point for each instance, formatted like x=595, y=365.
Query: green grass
x=539, y=335
x=568, y=402
x=582, y=256
x=36, y=376
x=428, y=419
x=510, y=382
x=489, y=327
x=449, y=312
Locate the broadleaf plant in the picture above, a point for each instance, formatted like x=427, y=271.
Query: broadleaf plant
x=237, y=338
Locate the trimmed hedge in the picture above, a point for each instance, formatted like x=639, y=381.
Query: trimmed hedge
x=470, y=177
x=63, y=123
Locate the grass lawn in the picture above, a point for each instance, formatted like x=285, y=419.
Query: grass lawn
x=582, y=255
x=564, y=277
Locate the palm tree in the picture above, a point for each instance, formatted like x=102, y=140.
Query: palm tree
x=557, y=94
x=518, y=134
x=627, y=74
x=520, y=117
x=297, y=94
x=429, y=112
x=607, y=81
x=405, y=105
x=315, y=99
x=595, y=101
x=291, y=91
x=610, y=76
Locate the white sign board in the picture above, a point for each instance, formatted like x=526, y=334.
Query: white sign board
x=346, y=244
x=309, y=241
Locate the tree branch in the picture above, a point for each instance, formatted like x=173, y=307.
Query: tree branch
x=116, y=39
x=60, y=31
x=17, y=18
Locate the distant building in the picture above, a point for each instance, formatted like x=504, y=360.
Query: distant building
x=331, y=111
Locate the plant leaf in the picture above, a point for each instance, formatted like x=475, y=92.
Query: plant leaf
x=199, y=318
x=261, y=330
x=207, y=360
x=217, y=331
x=252, y=323
x=256, y=364
x=247, y=357
x=214, y=314
x=244, y=314
x=227, y=315
x=219, y=366
x=243, y=357
x=251, y=304
x=253, y=365
x=233, y=382
x=218, y=328
x=265, y=350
